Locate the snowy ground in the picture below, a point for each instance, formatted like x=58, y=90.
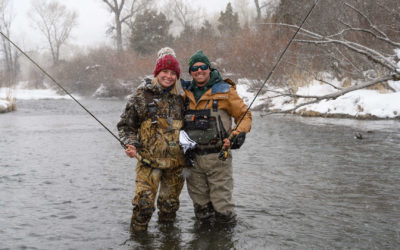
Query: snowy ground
x=359, y=103
x=26, y=94
x=32, y=94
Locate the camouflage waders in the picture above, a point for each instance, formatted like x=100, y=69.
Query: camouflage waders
x=148, y=181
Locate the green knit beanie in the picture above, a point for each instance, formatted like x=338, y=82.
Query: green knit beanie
x=199, y=57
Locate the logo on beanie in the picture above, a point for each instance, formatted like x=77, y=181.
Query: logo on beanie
x=167, y=62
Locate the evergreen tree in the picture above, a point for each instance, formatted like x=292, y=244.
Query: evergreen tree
x=188, y=35
x=206, y=30
x=149, y=32
x=229, y=22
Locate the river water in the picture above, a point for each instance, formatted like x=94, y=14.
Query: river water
x=300, y=183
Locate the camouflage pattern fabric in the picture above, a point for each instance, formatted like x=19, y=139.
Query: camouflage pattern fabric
x=151, y=122
x=147, y=182
x=156, y=136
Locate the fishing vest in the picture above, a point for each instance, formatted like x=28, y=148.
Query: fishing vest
x=159, y=131
x=208, y=127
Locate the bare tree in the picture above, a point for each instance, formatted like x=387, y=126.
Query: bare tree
x=182, y=12
x=258, y=9
x=339, y=38
x=270, y=4
x=245, y=10
x=184, y=15
x=379, y=48
x=124, y=11
x=55, y=22
x=10, y=54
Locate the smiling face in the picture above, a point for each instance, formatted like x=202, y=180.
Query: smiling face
x=166, y=78
x=200, y=77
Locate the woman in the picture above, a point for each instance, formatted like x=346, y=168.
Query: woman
x=150, y=127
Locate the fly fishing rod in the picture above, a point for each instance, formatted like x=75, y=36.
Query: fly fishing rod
x=223, y=155
x=138, y=157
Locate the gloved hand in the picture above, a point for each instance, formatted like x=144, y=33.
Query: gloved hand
x=238, y=140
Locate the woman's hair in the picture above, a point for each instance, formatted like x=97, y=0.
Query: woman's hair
x=176, y=88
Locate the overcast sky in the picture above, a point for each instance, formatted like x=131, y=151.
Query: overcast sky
x=93, y=20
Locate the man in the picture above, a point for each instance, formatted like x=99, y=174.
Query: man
x=210, y=104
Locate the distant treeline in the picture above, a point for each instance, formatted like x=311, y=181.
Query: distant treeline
x=248, y=50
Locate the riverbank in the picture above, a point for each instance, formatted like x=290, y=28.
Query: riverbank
x=8, y=103
x=378, y=103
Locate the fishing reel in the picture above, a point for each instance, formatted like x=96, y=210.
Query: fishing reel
x=236, y=141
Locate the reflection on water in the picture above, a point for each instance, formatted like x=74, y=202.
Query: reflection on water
x=300, y=183
x=170, y=236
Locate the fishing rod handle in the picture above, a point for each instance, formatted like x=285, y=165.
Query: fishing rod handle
x=223, y=154
x=138, y=157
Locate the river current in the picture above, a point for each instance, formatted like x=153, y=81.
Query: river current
x=299, y=183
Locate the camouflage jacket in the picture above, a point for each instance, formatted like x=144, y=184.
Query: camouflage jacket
x=151, y=122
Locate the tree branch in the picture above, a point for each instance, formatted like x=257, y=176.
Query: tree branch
x=368, y=20
x=110, y=5
x=319, y=39
x=368, y=52
x=382, y=38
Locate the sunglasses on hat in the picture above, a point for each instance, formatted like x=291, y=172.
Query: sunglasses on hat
x=196, y=68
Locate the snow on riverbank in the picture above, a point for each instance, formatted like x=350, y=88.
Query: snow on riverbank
x=20, y=93
x=32, y=94
x=362, y=103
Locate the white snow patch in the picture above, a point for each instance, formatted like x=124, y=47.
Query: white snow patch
x=395, y=85
x=317, y=89
x=100, y=91
x=21, y=93
x=242, y=89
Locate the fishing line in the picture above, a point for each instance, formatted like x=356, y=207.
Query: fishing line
x=277, y=63
x=223, y=154
x=116, y=137
x=59, y=85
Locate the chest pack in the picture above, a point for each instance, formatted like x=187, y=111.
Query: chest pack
x=207, y=127
x=159, y=131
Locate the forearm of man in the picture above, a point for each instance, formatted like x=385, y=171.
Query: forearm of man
x=237, y=110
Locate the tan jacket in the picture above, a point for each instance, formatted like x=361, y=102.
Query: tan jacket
x=228, y=99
